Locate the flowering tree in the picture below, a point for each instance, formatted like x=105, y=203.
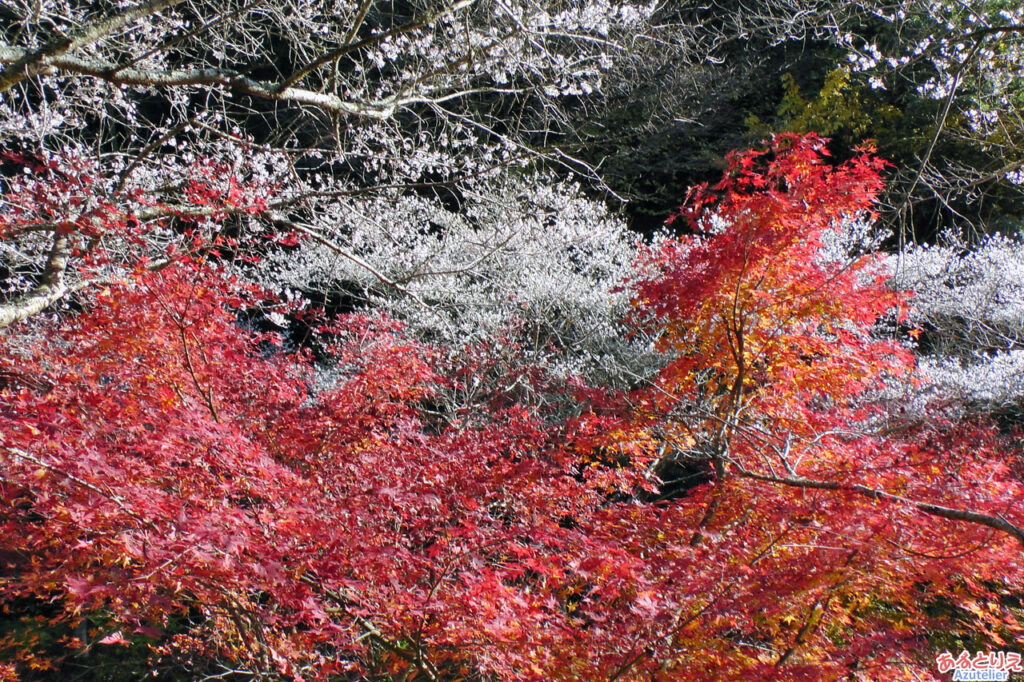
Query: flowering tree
x=530, y=268
x=471, y=485
x=934, y=83
x=305, y=105
x=968, y=304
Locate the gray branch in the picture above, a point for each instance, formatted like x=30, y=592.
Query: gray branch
x=51, y=288
x=216, y=77
x=33, y=62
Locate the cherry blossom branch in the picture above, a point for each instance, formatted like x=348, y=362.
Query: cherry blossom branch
x=209, y=77
x=33, y=62
x=51, y=288
x=349, y=46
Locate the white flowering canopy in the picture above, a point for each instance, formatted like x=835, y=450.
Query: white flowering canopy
x=970, y=303
x=530, y=260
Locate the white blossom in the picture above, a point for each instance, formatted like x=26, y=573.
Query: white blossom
x=969, y=302
x=528, y=257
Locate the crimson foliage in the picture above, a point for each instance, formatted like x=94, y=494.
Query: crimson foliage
x=172, y=486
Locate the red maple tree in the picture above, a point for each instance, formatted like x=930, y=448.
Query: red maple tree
x=173, y=486
x=841, y=523
x=177, y=497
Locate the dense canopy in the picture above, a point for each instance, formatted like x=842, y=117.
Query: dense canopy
x=510, y=340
